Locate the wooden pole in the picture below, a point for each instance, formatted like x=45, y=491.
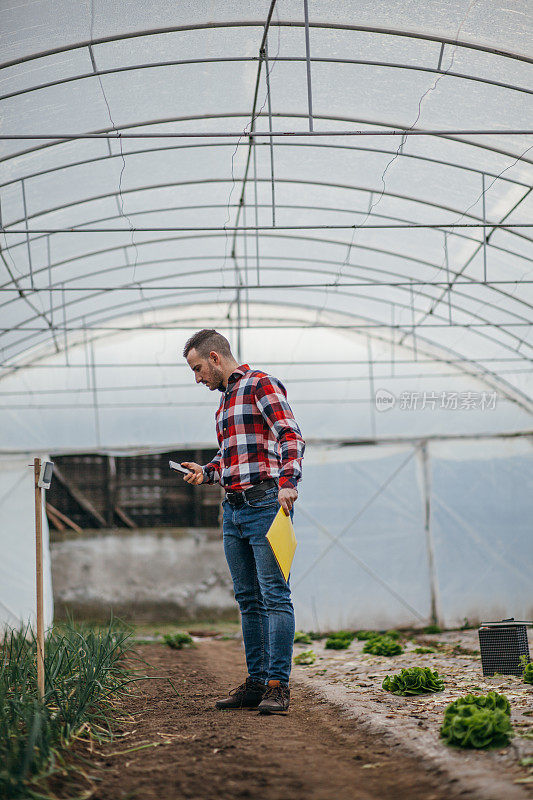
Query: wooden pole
x=39, y=576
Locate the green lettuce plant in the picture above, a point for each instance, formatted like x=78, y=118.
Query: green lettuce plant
x=305, y=658
x=340, y=640
x=302, y=638
x=364, y=635
x=492, y=701
x=478, y=721
x=528, y=669
x=413, y=680
x=392, y=634
x=177, y=640
x=383, y=646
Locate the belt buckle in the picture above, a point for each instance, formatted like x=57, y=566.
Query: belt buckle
x=235, y=498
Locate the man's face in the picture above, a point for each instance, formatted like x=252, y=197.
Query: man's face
x=206, y=370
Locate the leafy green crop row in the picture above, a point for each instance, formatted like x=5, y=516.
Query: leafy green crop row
x=306, y=658
x=528, y=671
x=414, y=680
x=478, y=721
x=302, y=638
x=383, y=646
x=177, y=640
x=82, y=673
x=340, y=640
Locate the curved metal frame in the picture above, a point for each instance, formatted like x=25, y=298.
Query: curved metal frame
x=453, y=272
x=321, y=239
x=218, y=290
x=114, y=132
x=261, y=24
x=304, y=182
x=256, y=59
x=292, y=237
x=160, y=210
x=512, y=393
x=274, y=24
x=332, y=146
x=229, y=269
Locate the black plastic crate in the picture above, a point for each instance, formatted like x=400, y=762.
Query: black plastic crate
x=502, y=645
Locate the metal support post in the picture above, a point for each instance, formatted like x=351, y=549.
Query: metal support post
x=39, y=576
x=308, y=63
x=447, y=264
x=269, y=105
x=28, y=247
x=426, y=483
x=484, y=229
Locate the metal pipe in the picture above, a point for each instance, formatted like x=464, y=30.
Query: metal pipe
x=256, y=212
x=175, y=229
x=328, y=184
x=215, y=287
x=139, y=386
x=484, y=228
x=259, y=24
x=417, y=261
x=248, y=59
x=329, y=146
x=95, y=398
x=361, y=362
x=447, y=264
x=470, y=367
x=271, y=141
x=332, y=326
x=371, y=387
x=65, y=137
x=288, y=115
x=65, y=338
x=413, y=334
x=28, y=247
x=506, y=294
x=308, y=66
x=430, y=545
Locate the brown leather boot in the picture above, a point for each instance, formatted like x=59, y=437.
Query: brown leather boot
x=276, y=699
x=248, y=695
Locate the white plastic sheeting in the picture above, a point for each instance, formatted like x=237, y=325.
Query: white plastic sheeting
x=103, y=399
x=437, y=318
x=364, y=550
x=18, y=603
x=190, y=68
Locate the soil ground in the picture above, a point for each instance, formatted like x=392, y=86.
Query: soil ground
x=173, y=744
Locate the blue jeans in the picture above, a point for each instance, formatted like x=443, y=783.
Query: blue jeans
x=261, y=591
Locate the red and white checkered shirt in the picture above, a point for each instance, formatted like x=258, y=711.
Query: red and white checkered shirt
x=257, y=434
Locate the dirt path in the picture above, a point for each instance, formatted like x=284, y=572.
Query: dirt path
x=314, y=753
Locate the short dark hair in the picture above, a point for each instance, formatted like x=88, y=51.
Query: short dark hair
x=206, y=340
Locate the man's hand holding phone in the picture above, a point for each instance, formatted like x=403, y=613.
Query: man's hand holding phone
x=195, y=476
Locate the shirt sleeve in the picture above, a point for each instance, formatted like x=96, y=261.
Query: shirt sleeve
x=212, y=469
x=271, y=399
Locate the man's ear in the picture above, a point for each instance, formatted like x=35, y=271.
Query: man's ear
x=214, y=356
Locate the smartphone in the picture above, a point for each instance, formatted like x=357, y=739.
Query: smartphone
x=179, y=468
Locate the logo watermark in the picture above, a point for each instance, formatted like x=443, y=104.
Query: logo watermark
x=448, y=401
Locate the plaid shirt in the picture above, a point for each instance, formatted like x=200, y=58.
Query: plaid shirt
x=257, y=434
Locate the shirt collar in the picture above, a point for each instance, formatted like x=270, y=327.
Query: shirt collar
x=238, y=373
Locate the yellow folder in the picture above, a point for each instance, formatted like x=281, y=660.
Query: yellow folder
x=282, y=541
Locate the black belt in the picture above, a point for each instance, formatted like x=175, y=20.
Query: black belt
x=253, y=493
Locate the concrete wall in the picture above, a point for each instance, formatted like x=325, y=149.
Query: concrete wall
x=154, y=574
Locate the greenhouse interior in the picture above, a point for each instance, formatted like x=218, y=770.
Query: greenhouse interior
x=344, y=191
x=266, y=400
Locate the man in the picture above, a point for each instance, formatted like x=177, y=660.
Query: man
x=258, y=464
